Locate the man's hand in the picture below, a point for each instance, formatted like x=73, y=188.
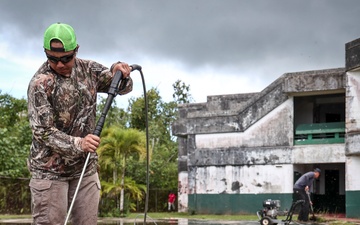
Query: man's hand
x=90, y=143
x=124, y=68
x=307, y=188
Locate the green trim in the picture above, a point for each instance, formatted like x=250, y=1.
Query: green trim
x=233, y=203
x=320, y=133
x=311, y=141
x=320, y=128
x=353, y=204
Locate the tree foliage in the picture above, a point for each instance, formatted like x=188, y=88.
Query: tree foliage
x=115, y=116
x=121, y=153
x=15, y=136
x=15, y=139
x=117, y=145
x=181, y=92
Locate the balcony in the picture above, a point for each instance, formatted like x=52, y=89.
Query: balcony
x=320, y=133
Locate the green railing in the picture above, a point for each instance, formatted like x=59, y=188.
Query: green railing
x=320, y=133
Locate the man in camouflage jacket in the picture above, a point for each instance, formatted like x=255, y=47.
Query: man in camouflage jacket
x=62, y=110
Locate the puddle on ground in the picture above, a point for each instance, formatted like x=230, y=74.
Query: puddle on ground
x=148, y=222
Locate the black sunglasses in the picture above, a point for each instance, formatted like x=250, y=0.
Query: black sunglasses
x=63, y=59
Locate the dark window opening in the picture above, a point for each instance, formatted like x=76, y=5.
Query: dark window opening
x=319, y=119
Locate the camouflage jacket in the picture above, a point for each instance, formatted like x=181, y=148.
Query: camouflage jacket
x=61, y=111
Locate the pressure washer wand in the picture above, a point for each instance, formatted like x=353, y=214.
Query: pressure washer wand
x=311, y=207
x=111, y=95
x=113, y=90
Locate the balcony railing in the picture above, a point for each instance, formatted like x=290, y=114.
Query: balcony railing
x=320, y=133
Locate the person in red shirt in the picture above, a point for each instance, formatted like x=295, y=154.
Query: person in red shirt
x=171, y=201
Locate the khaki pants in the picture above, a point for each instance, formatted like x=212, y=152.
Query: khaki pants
x=50, y=200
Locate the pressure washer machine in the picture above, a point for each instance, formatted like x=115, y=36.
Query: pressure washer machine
x=271, y=210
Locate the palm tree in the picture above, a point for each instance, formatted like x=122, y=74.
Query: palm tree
x=116, y=146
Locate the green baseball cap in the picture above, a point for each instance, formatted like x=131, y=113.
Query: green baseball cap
x=62, y=32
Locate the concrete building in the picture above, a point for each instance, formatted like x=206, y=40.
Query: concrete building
x=235, y=151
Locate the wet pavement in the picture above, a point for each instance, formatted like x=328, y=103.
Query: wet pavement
x=112, y=221
x=172, y=221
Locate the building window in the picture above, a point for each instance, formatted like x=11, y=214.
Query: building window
x=319, y=119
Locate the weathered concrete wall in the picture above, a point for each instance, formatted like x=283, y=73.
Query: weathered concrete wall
x=353, y=113
x=330, y=153
x=352, y=186
x=352, y=55
x=225, y=104
x=185, y=145
x=352, y=128
x=183, y=191
x=240, y=156
x=182, y=153
x=274, y=129
x=352, y=175
x=353, y=102
x=330, y=80
x=352, y=144
x=199, y=120
x=243, y=179
x=267, y=179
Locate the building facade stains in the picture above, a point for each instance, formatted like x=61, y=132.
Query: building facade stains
x=183, y=191
x=237, y=150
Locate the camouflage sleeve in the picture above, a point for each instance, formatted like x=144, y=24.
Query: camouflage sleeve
x=126, y=86
x=40, y=111
x=104, y=76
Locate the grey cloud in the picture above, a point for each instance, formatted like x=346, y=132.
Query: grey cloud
x=233, y=33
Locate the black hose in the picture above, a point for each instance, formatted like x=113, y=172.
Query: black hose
x=113, y=89
x=147, y=149
x=137, y=67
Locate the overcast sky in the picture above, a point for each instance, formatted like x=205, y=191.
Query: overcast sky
x=216, y=47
